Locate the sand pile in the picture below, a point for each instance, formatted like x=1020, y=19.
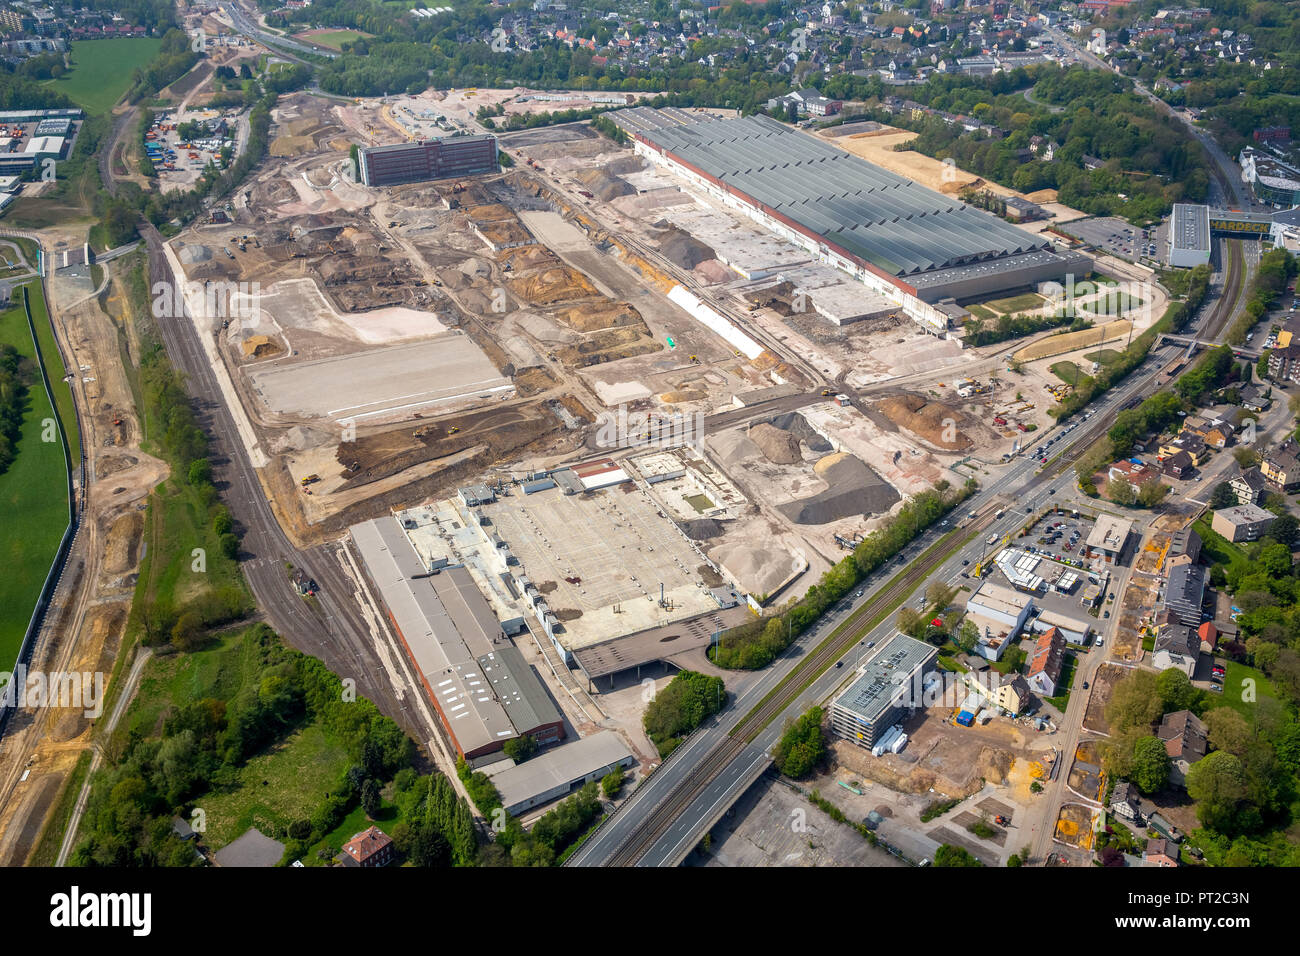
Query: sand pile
x=934, y=422
x=777, y=445
x=853, y=490
x=756, y=570
x=683, y=250
x=604, y=186
x=733, y=448
x=551, y=286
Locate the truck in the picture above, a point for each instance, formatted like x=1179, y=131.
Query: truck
x=1001, y=512
x=309, y=480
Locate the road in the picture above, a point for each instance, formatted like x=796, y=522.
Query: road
x=669, y=812
x=277, y=43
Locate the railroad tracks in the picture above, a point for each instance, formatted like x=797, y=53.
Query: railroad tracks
x=721, y=755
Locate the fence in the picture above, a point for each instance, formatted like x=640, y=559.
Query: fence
x=76, y=504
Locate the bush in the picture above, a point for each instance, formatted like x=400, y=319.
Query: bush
x=681, y=707
x=802, y=747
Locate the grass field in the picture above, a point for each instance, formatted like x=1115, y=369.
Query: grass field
x=1067, y=372
x=1016, y=303
x=278, y=786
x=33, y=499
x=1240, y=695
x=1104, y=357
x=334, y=39
x=275, y=788
x=102, y=70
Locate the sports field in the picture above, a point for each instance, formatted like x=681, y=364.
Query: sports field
x=33, y=499
x=334, y=39
x=102, y=70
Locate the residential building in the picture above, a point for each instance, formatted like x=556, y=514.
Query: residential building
x=1045, y=663
x=1184, y=548
x=371, y=847
x=1125, y=802
x=1255, y=398
x=1284, y=362
x=1185, y=593
x=1177, y=466
x=888, y=688
x=1013, y=695
x=1281, y=467
x=1209, y=635
x=1242, y=522
x=1161, y=853
x=1186, y=741
x=1189, y=442
x=1177, y=645
x=1249, y=486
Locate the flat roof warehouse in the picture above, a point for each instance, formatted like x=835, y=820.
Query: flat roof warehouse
x=891, y=226
x=480, y=684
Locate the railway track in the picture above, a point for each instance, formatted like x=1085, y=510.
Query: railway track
x=1224, y=309
x=820, y=659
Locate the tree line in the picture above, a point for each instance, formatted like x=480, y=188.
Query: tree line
x=756, y=644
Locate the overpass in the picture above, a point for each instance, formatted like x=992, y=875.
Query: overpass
x=1193, y=344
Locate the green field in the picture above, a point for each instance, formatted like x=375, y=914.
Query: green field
x=102, y=70
x=335, y=39
x=1016, y=303
x=33, y=496
x=1104, y=357
x=1067, y=372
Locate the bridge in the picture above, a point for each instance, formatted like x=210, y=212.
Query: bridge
x=1193, y=344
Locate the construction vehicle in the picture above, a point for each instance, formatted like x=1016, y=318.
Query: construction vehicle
x=453, y=430
x=695, y=359
x=826, y=393
x=309, y=480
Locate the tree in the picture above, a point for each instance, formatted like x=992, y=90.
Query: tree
x=1122, y=492
x=802, y=746
x=949, y=855
x=1151, y=493
x=520, y=748
x=1228, y=730
x=200, y=472
x=1284, y=529
x=1150, y=764
x=968, y=636
x=612, y=783
x=1175, y=690
x=1134, y=703
x=370, y=801
x=1223, y=496
x=1014, y=657
x=1246, y=457
x=939, y=596
x=1217, y=782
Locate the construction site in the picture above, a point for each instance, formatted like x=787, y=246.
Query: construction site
x=450, y=354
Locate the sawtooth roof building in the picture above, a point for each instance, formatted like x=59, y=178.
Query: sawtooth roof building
x=888, y=231
x=481, y=686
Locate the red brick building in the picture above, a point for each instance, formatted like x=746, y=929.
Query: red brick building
x=369, y=848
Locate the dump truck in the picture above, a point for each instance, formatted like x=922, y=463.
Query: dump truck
x=309, y=480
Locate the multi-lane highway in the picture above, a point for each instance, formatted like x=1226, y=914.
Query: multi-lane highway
x=675, y=806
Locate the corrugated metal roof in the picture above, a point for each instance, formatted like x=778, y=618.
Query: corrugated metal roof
x=891, y=222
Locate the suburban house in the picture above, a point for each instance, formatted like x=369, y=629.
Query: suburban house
x=1185, y=737
x=1249, y=487
x=1188, y=442
x=1177, y=466
x=1013, y=695
x=1045, y=663
x=1209, y=635
x=1242, y=522
x=1178, y=646
x=369, y=848
x=1161, y=853
x=1184, y=548
x=1125, y=802
x=1281, y=467
x=1254, y=398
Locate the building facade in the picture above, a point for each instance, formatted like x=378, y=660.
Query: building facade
x=427, y=160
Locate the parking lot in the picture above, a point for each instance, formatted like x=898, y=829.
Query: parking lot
x=1116, y=237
